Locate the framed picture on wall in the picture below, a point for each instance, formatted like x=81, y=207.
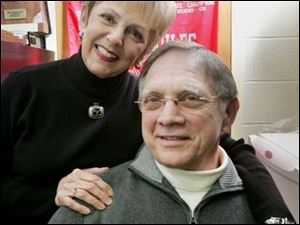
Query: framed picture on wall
x=36, y=40
x=25, y=16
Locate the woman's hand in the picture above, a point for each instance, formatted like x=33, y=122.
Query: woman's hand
x=86, y=186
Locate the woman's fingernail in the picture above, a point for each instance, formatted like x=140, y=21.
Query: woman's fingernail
x=86, y=211
x=109, y=201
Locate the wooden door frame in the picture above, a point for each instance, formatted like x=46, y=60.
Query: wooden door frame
x=224, y=32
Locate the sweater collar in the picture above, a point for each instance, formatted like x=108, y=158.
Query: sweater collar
x=144, y=164
x=194, y=181
x=92, y=86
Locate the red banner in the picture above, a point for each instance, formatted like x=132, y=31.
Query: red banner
x=73, y=15
x=195, y=21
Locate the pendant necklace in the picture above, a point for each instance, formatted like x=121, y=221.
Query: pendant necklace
x=96, y=111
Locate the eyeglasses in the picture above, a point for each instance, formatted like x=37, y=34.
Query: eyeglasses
x=186, y=102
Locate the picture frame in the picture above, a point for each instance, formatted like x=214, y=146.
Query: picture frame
x=36, y=40
x=25, y=16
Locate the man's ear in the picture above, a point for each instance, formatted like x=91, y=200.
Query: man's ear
x=230, y=114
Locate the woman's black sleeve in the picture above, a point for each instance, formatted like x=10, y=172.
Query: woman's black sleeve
x=263, y=196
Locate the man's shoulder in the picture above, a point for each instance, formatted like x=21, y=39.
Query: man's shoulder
x=117, y=174
x=65, y=215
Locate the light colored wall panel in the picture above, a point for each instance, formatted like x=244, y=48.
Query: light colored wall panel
x=268, y=18
x=271, y=59
x=269, y=101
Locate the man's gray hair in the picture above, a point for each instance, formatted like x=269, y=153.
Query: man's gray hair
x=219, y=75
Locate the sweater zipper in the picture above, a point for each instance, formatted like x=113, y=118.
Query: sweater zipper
x=192, y=219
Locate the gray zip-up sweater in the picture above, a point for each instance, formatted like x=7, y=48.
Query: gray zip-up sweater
x=143, y=196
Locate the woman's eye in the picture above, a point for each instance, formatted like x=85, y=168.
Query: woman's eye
x=108, y=18
x=137, y=36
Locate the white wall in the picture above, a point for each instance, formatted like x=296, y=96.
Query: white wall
x=265, y=55
x=51, y=40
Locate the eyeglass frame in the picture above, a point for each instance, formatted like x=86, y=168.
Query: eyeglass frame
x=176, y=100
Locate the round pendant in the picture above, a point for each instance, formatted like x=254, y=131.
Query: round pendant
x=96, y=111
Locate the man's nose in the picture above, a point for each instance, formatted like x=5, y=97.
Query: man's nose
x=170, y=114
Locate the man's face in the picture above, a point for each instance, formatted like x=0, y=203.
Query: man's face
x=179, y=136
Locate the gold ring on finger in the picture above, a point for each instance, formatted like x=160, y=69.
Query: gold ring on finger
x=74, y=192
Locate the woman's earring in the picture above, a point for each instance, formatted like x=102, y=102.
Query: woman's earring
x=138, y=65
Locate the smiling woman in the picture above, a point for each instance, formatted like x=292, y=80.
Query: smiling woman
x=79, y=107
x=126, y=34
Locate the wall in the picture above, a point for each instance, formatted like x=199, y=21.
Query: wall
x=51, y=43
x=265, y=55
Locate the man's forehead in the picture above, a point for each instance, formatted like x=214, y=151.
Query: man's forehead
x=176, y=88
x=177, y=61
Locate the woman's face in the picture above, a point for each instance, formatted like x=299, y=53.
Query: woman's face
x=114, y=37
